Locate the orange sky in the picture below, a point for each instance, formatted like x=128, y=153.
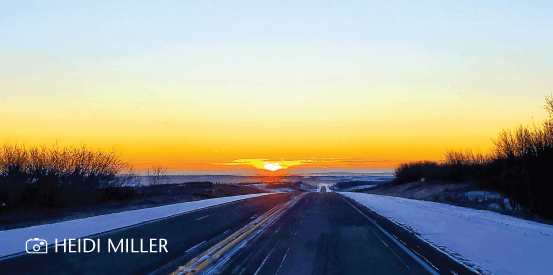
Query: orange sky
x=361, y=128
x=196, y=87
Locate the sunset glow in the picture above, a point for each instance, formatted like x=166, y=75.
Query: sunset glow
x=339, y=85
x=264, y=164
x=276, y=137
x=272, y=166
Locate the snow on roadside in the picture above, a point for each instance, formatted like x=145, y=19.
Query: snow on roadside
x=359, y=187
x=489, y=241
x=13, y=241
x=483, y=195
x=322, y=185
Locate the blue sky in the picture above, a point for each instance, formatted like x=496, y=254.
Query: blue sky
x=123, y=25
x=221, y=80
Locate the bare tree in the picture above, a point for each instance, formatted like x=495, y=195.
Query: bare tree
x=157, y=176
x=128, y=178
x=549, y=105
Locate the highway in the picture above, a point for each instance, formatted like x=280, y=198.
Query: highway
x=186, y=235
x=322, y=234
x=300, y=233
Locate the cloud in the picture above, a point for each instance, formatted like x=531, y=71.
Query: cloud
x=273, y=165
x=265, y=163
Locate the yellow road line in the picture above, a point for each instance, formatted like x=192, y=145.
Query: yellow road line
x=204, y=259
x=227, y=240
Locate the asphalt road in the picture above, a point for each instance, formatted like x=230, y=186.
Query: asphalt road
x=187, y=235
x=317, y=233
x=323, y=234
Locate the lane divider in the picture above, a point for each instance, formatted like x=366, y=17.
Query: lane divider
x=215, y=252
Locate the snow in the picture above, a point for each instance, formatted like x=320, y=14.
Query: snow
x=332, y=178
x=497, y=200
x=360, y=187
x=265, y=188
x=483, y=195
x=284, y=190
x=485, y=240
x=322, y=185
x=13, y=241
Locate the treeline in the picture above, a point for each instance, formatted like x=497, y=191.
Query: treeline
x=520, y=166
x=40, y=177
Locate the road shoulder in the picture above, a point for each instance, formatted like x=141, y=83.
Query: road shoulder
x=442, y=262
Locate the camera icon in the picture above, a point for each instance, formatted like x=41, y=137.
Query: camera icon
x=33, y=246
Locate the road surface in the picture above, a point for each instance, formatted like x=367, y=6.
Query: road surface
x=183, y=232
x=301, y=233
x=323, y=234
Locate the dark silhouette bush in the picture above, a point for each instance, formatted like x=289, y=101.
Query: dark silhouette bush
x=33, y=178
x=520, y=166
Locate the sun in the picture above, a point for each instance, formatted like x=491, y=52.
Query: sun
x=272, y=166
x=265, y=164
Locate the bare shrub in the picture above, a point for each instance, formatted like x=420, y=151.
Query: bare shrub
x=520, y=166
x=157, y=176
x=39, y=177
x=466, y=157
x=128, y=178
x=414, y=171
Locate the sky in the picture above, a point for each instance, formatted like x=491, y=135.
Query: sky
x=217, y=86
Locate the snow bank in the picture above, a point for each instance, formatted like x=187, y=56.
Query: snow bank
x=13, y=241
x=322, y=185
x=264, y=187
x=489, y=241
x=483, y=195
x=359, y=187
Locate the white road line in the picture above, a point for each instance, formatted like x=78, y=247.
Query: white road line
x=283, y=258
x=190, y=249
x=387, y=247
x=393, y=252
x=265, y=259
x=285, y=254
x=426, y=260
x=105, y=224
x=425, y=265
x=221, y=252
x=202, y=217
